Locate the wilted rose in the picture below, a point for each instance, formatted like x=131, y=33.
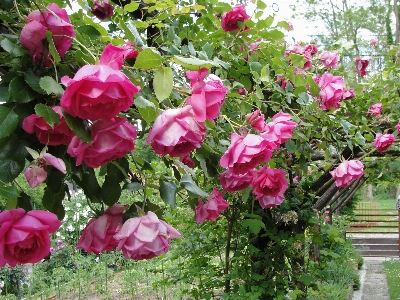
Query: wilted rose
x=347, y=172
x=374, y=110
x=361, y=66
x=231, y=18
x=33, y=34
x=176, y=132
x=60, y=134
x=383, y=141
x=98, y=235
x=145, y=237
x=97, y=92
x=245, y=153
x=212, y=208
x=102, y=9
x=269, y=186
x=24, y=237
x=111, y=139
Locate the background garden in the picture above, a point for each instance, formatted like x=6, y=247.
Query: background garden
x=191, y=150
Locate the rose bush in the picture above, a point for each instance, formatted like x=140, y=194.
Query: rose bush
x=145, y=237
x=24, y=236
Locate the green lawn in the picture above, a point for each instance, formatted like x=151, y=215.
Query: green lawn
x=392, y=269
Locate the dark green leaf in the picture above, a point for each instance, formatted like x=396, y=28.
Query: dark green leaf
x=90, y=186
x=305, y=99
x=54, y=179
x=51, y=86
x=4, y=95
x=111, y=190
x=133, y=186
x=168, y=192
x=290, y=146
x=24, y=201
x=52, y=48
x=90, y=31
x=20, y=91
x=188, y=183
x=9, y=192
x=79, y=126
x=307, y=279
x=7, y=4
x=47, y=113
x=33, y=81
x=13, y=49
x=12, y=160
x=254, y=225
x=148, y=59
x=8, y=121
x=163, y=83
x=53, y=202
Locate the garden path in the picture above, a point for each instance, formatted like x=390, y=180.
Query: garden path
x=373, y=280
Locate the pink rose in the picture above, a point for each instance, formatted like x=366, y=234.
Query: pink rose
x=102, y=10
x=329, y=59
x=280, y=129
x=348, y=94
x=374, y=110
x=145, y=237
x=245, y=153
x=187, y=161
x=269, y=186
x=97, y=92
x=176, y=132
x=98, y=235
x=361, y=66
x=312, y=48
x=33, y=34
x=347, y=172
x=235, y=182
x=383, y=141
x=373, y=42
x=256, y=120
x=60, y=134
x=296, y=179
x=37, y=173
x=208, y=95
x=331, y=93
x=212, y=208
x=24, y=237
x=398, y=127
x=305, y=51
x=114, y=56
x=242, y=91
x=230, y=18
x=111, y=139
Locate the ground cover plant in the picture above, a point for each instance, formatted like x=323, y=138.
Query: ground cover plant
x=192, y=125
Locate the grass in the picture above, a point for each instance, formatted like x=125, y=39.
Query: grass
x=392, y=269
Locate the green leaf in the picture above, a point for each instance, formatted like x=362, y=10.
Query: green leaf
x=305, y=99
x=47, y=113
x=254, y=225
x=297, y=60
x=284, y=25
x=4, y=95
x=53, y=202
x=261, y=5
x=24, y=201
x=9, y=192
x=90, y=31
x=79, y=127
x=110, y=190
x=290, y=146
x=52, y=48
x=193, y=63
x=131, y=33
x=8, y=121
x=307, y=279
x=12, y=203
x=133, y=186
x=360, y=140
x=131, y=7
x=346, y=125
x=274, y=35
x=51, y=86
x=33, y=81
x=89, y=184
x=168, y=192
x=148, y=59
x=146, y=108
x=12, y=159
x=314, y=88
x=13, y=49
x=188, y=183
x=163, y=83
x=20, y=91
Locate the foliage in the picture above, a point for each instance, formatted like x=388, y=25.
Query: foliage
x=392, y=268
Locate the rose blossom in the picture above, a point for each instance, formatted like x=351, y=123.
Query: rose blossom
x=114, y=56
x=280, y=129
x=312, y=48
x=145, y=237
x=348, y=94
x=212, y=208
x=187, y=161
x=329, y=59
x=102, y=10
x=235, y=182
x=269, y=186
x=256, y=121
x=24, y=237
x=373, y=42
x=33, y=34
x=111, y=139
x=361, y=66
x=245, y=153
x=98, y=235
x=347, y=172
x=398, y=127
x=176, y=132
x=331, y=93
x=60, y=134
x=374, y=110
x=383, y=141
x=208, y=94
x=230, y=18
x=37, y=173
x=97, y=92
